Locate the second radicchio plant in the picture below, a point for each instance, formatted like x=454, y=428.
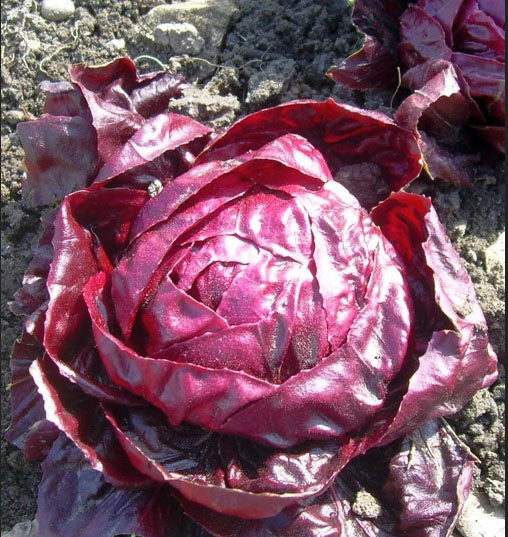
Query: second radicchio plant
x=451, y=54
x=256, y=338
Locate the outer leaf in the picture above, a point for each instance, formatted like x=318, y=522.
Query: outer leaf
x=348, y=138
x=33, y=294
x=478, y=34
x=373, y=66
x=120, y=101
x=226, y=482
x=75, y=500
x=64, y=99
x=74, y=262
x=60, y=156
x=486, y=80
x=50, y=174
x=82, y=420
x=422, y=38
x=496, y=10
x=493, y=135
x=380, y=19
x=438, y=107
x=91, y=120
x=434, y=460
x=444, y=12
x=432, y=457
x=442, y=163
x=164, y=132
x=90, y=229
x=108, y=215
x=458, y=360
x=29, y=429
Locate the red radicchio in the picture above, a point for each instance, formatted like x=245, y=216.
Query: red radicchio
x=267, y=339
x=451, y=54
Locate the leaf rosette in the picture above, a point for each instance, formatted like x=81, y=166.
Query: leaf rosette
x=242, y=337
x=451, y=56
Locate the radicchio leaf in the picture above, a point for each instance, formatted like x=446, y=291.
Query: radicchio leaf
x=120, y=101
x=234, y=334
x=424, y=39
x=348, y=137
x=60, y=156
x=439, y=106
x=75, y=500
x=375, y=64
x=87, y=123
x=374, y=496
x=29, y=429
x=459, y=340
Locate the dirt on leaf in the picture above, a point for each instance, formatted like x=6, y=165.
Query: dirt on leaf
x=277, y=51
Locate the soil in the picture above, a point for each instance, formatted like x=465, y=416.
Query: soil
x=272, y=51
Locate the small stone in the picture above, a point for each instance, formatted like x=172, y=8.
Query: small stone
x=57, y=10
x=86, y=21
x=211, y=18
x=13, y=117
x=471, y=256
x=495, y=253
x=29, y=46
x=365, y=505
x=5, y=193
x=26, y=528
x=494, y=490
x=116, y=44
x=155, y=188
x=479, y=519
x=224, y=82
x=499, y=391
x=459, y=229
x=182, y=37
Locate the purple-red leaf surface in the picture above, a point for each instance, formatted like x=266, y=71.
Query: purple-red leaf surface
x=466, y=38
x=105, y=118
x=248, y=338
x=75, y=500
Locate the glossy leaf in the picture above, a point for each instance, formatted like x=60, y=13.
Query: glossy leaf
x=60, y=156
x=348, y=137
x=228, y=331
x=459, y=339
x=438, y=107
x=87, y=123
x=225, y=482
x=415, y=487
x=120, y=101
x=420, y=38
x=75, y=500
